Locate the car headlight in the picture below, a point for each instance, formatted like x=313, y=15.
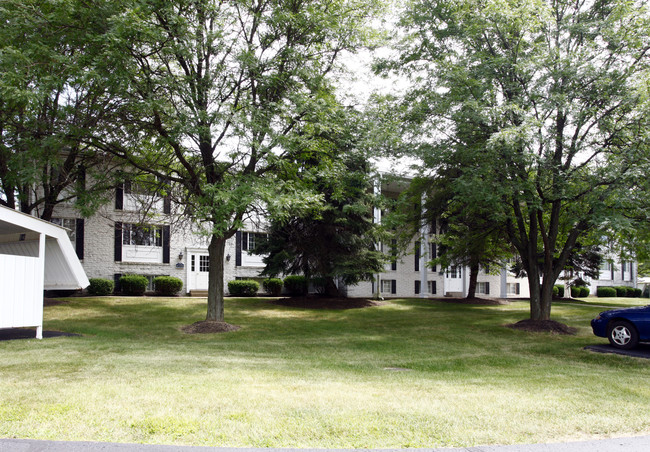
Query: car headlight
x=598, y=317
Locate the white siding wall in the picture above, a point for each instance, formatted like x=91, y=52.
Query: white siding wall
x=21, y=297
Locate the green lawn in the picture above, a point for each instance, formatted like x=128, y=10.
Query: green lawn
x=306, y=378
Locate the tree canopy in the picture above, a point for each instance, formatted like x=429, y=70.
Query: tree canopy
x=49, y=101
x=335, y=240
x=213, y=96
x=560, y=88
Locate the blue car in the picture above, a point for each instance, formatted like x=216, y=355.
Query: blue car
x=624, y=328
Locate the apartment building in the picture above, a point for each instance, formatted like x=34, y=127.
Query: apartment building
x=138, y=233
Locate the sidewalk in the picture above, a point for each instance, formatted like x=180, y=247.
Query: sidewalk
x=633, y=444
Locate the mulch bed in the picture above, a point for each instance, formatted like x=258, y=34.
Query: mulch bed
x=478, y=301
x=326, y=302
x=208, y=327
x=543, y=326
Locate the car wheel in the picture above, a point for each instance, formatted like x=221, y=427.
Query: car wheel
x=622, y=334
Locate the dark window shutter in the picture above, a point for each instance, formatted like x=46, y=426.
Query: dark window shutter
x=434, y=251
x=433, y=287
x=166, y=232
x=79, y=243
x=487, y=288
x=393, y=251
x=167, y=205
x=417, y=257
x=119, y=197
x=518, y=289
x=244, y=241
x=393, y=286
x=118, y=241
x=417, y=287
x=372, y=286
x=238, y=240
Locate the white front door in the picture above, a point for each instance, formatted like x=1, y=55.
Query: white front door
x=454, y=279
x=199, y=268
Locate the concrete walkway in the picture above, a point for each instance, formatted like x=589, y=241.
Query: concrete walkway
x=633, y=444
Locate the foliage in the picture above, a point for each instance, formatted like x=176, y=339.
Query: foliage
x=621, y=291
x=604, y=291
x=133, y=284
x=334, y=241
x=215, y=95
x=296, y=285
x=49, y=104
x=167, y=285
x=243, y=288
x=557, y=92
x=273, y=286
x=466, y=233
x=100, y=286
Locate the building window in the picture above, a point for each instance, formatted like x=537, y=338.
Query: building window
x=454, y=272
x=417, y=287
x=193, y=262
x=513, y=288
x=483, y=288
x=71, y=225
x=141, y=235
x=204, y=263
x=389, y=286
x=431, y=285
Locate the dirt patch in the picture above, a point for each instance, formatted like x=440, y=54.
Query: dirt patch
x=479, y=301
x=208, y=327
x=543, y=326
x=326, y=303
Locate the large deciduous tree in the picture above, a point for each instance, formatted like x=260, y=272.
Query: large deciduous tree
x=561, y=88
x=215, y=90
x=49, y=100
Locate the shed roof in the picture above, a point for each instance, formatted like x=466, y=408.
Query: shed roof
x=62, y=267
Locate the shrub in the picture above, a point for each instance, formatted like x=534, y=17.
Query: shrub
x=133, y=284
x=167, y=285
x=243, y=287
x=629, y=292
x=556, y=291
x=621, y=291
x=604, y=291
x=272, y=286
x=560, y=290
x=576, y=291
x=637, y=292
x=100, y=286
x=296, y=284
x=584, y=292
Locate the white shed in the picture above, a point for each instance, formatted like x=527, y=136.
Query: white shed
x=35, y=255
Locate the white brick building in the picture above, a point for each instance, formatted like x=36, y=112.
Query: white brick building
x=113, y=242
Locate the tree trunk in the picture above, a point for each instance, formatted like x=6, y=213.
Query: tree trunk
x=216, y=251
x=473, y=277
x=330, y=288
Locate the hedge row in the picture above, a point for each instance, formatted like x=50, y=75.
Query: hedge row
x=136, y=285
x=618, y=291
x=295, y=285
x=243, y=287
x=579, y=291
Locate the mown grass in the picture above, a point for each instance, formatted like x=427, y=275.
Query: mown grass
x=410, y=373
